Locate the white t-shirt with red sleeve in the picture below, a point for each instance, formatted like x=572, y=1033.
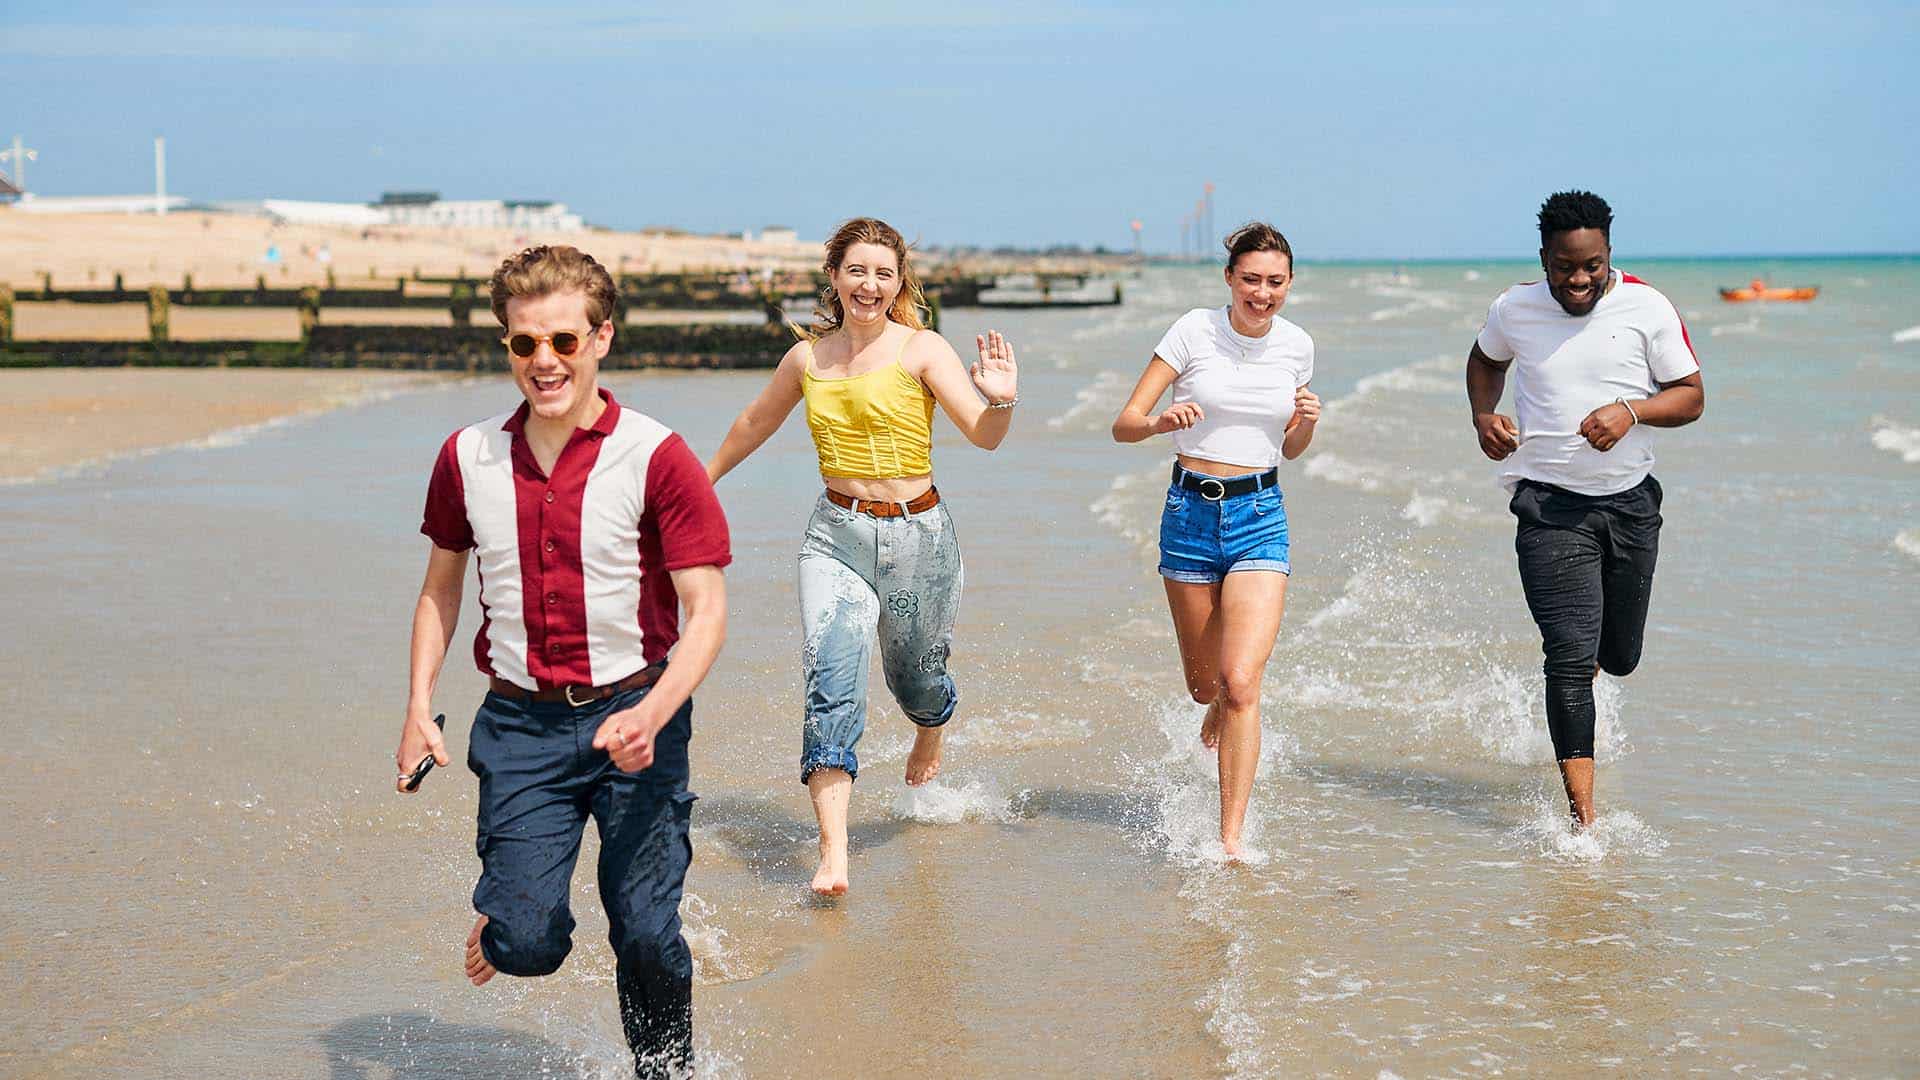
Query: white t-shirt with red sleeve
x=1566, y=366
x=574, y=567
x=1243, y=385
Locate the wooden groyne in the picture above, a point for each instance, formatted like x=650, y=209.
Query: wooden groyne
x=460, y=345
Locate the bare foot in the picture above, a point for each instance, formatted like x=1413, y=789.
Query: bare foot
x=1210, y=727
x=831, y=790
x=1234, y=849
x=923, y=761
x=478, y=970
x=831, y=878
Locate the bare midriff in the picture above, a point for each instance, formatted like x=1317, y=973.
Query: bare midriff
x=1217, y=468
x=884, y=489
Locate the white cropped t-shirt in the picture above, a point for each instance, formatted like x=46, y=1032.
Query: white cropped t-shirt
x=1244, y=386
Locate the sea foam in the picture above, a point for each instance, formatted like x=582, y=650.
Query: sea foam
x=1896, y=439
x=1908, y=543
x=1098, y=399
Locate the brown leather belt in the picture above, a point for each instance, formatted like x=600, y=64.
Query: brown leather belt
x=920, y=503
x=577, y=696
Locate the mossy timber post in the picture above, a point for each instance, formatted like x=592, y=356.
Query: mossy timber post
x=6, y=313
x=157, y=316
x=309, y=313
x=460, y=304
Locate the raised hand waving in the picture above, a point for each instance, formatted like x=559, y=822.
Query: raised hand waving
x=995, y=374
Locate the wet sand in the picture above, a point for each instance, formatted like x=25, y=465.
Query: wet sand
x=56, y=418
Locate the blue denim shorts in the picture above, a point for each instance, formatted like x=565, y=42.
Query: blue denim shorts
x=1203, y=540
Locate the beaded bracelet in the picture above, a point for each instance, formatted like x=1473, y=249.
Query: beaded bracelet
x=1007, y=404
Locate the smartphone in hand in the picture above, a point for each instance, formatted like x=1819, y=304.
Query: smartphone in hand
x=421, y=770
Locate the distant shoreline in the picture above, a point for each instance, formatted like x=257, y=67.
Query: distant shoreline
x=1528, y=260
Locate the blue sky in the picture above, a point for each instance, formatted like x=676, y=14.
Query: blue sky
x=1378, y=131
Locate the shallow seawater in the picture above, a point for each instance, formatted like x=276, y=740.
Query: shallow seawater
x=207, y=873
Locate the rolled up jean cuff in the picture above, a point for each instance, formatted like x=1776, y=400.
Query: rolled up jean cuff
x=1281, y=566
x=829, y=757
x=946, y=714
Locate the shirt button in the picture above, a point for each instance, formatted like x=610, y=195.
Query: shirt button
x=549, y=545
x=553, y=598
x=553, y=650
x=549, y=496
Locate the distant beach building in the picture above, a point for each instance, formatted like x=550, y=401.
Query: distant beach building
x=96, y=204
x=427, y=208
x=299, y=212
x=422, y=209
x=416, y=208
x=779, y=234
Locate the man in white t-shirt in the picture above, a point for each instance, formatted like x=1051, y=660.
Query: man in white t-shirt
x=1598, y=357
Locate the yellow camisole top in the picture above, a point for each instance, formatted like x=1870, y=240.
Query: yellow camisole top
x=872, y=426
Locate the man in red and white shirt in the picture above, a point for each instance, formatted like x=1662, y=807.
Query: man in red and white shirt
x=593, y=525
x=1598, y=357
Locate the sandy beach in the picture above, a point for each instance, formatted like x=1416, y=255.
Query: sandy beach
x=86, y=250
x=54, y=418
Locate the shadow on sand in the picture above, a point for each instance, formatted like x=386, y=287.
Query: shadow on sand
x=778, y=847
x=376, y=1046
x=1487, y=804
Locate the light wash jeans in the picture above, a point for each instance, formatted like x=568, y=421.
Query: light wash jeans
x=858, y=572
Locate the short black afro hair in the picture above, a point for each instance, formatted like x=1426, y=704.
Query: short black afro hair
x=1565, y=211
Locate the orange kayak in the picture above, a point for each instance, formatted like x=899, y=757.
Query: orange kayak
x=1750, y=292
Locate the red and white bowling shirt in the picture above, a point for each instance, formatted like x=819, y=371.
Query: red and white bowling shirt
x=573, y=567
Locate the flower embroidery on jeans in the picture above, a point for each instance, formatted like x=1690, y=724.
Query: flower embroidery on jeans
x=932, y=659
x=903, y=603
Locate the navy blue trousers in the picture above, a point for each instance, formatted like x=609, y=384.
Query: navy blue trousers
x=540, y=780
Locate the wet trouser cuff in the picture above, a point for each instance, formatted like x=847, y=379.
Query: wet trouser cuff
x=656, y=1015
x=940, y=719
x=830, y=757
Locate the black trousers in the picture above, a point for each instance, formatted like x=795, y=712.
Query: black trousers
x=1586, y=563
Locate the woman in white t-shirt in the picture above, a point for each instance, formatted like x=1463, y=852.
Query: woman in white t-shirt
x=1239, y=376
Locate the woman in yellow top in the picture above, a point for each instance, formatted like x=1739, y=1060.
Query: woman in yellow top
x=880, y=548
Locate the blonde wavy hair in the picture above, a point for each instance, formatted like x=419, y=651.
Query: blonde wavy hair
x=909, y=308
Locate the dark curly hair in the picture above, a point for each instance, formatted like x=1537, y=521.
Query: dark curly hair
x=1565, y=211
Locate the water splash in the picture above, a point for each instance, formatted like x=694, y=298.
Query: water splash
x=1549, y=833
x=935, y=803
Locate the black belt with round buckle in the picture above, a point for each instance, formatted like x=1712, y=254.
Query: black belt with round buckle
x=580, y=696
x=1213, y=489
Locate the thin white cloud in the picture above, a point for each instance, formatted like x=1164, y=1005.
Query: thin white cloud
x=382, y=34
x=119, y=42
